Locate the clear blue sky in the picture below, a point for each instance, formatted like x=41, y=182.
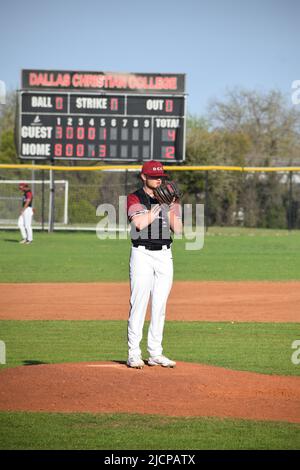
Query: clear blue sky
x=219, y=44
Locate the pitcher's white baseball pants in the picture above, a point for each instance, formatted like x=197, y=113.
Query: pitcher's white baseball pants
x=151, y=273
x=24, y=224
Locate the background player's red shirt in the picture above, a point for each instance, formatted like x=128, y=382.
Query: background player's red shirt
x=28, y=196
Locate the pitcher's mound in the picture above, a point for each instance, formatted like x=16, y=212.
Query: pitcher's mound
x=187, y=390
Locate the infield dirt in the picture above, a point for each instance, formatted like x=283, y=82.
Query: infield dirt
x=189, y=301
x=187, y=390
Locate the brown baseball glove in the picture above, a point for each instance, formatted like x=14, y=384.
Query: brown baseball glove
x=167, y=193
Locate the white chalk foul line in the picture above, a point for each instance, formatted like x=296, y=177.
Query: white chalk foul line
x=105, y=365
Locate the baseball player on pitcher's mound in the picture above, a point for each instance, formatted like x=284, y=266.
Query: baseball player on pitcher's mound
x=154, y=211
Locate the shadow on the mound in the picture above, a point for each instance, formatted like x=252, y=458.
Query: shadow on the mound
x=10, y=240
x=32, y=362
x=123, y=363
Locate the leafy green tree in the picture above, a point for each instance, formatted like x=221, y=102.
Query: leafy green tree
x=220, y=191
x=267, y=118
x=7, y=147
x=8, y=152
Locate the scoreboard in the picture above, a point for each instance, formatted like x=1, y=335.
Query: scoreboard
x=108, y=117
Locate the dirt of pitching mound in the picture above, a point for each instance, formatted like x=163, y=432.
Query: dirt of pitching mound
x=187, y=390
x=188, y=301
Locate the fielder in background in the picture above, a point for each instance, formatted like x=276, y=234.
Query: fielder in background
x=151, y=264
x=25, y=219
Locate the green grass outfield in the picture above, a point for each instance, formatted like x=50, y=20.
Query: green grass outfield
x=257, y=347
x=229, y=255
x=121, y=431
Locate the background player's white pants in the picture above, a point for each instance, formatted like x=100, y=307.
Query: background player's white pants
x=151, y=272
x=24, y=224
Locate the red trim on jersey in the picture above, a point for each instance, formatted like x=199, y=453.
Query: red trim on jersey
x=28, y=195
x=134, y=206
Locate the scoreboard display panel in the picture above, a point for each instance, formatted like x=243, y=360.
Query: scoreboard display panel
x=108, y=124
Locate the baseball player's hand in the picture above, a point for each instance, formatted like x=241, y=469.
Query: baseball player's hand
x=143, y=220
x=172, y=205
x=155, y=210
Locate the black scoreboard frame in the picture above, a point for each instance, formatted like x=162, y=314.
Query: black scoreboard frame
x=168, y=127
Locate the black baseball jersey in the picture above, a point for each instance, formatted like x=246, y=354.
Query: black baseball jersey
x=157, y=233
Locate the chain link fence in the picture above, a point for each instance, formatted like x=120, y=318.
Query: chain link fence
x=230, y=198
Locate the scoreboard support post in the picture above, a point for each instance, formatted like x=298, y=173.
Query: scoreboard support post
x=52, y=199
x=43, y=200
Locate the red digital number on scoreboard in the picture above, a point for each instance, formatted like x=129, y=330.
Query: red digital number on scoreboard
x=171, y=135
x=70, y=133
x=58, y=150
x=80, y=150
x=91, y=133
x=102, y=151
x=69, y=150
x=59, y=103
x=114, y=104
x=58, y=132
x=169, y=106
x=80, y=133
x=168, y=152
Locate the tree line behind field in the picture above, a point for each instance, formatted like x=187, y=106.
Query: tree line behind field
x=245, y=128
